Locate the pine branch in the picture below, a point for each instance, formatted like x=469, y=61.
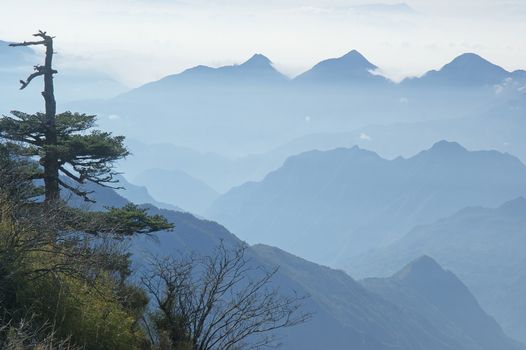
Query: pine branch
x=83, y=194
x=46, y=39
x=28, y=43
x=104, y=182
x=80, y=179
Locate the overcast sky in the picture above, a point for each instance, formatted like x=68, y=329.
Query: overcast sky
x=137, y=41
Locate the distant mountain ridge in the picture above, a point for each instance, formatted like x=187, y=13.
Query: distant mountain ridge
x=248, y=108
x=425, y=287
x=352, y=67
x=465, y=69
x=483, y=245
x=178, y=188
x=258, y=69
x=468, y=69
x=323, y=205
x=346, y=315
x=446, y=311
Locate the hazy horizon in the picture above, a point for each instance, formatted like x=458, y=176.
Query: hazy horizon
x=374, y=215
x=146, y=40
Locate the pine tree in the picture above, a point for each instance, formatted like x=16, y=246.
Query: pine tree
x=66, y=145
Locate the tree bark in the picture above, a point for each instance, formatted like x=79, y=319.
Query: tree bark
x=51, y=161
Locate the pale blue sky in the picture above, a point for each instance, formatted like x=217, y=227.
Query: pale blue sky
x=141, y=40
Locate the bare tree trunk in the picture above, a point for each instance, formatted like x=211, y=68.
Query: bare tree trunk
x=51, y=164
x=50, y=161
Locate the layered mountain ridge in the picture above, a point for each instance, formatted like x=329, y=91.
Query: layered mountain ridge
x=345, y=313
x=483, y=245
x=325, y=204
x=425, y=287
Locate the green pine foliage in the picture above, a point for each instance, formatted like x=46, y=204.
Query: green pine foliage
x=64, y=272
x=83, y=153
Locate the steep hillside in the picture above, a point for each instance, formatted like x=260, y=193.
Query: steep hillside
x=425, y=288
x=485, y=247
x=344, y=312
x=397, y=323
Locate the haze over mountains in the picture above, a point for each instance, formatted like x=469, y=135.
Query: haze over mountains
x=73, y=83
x=484, y=246
x=422, y=286
x=274, y=159
x=252, y=107
x=320, y=205
x=346, y=314
x=252, y=118
x=169, y=186
x=351, y=68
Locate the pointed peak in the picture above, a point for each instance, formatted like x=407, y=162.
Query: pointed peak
x=444, y=146
x=423, y=266
x=469, y=56
x=355, y=58
x=353, y=53
x=258, y=60
x=349, y=68
x=472, y=61
x=425, y=261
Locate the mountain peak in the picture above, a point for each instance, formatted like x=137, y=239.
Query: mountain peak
x=467, y=69
x=470, y=68
x=449, y=147
x=258, y=60
x=471, y=59
x=356, y=55
x=352, y=66
x=257, y=68
x=354, y=59
x=422, y=267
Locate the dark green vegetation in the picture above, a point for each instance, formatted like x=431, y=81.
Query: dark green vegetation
x=63, y=271
x=66, y=273
x=104, y=278
x=64, y=143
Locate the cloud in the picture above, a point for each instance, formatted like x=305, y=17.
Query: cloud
x=382, y=8
x=364, y=136
x=509, y=86
x=315, y=10
x=177, y=34
x=498, y=89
